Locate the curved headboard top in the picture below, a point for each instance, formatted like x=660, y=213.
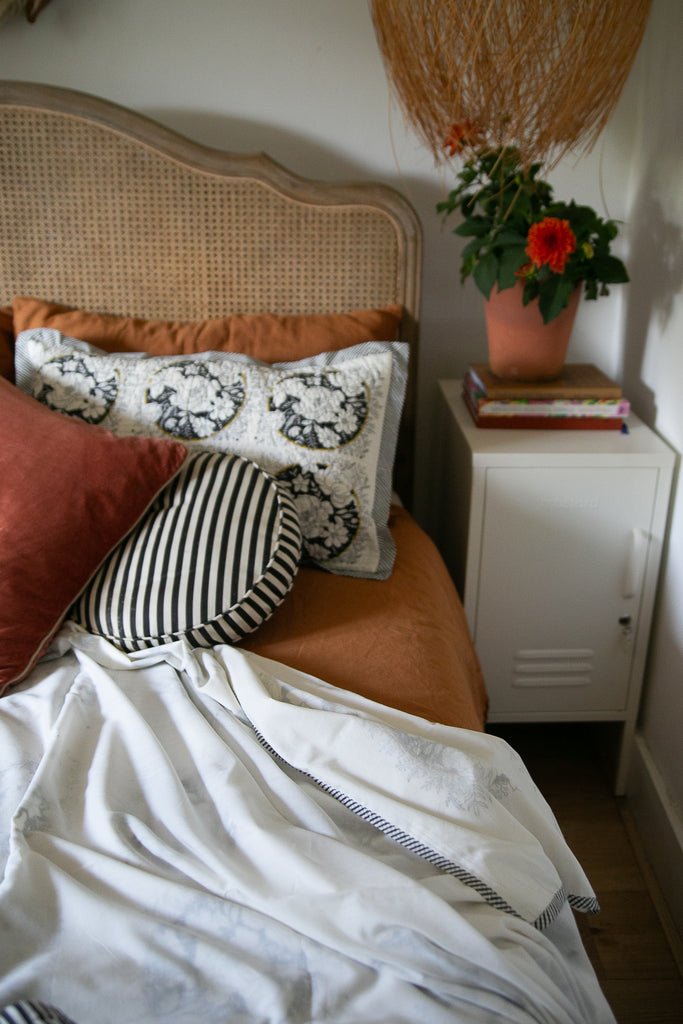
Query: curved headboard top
x=106, y=210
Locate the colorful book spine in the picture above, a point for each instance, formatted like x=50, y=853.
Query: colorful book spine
x=544, y=408
x=518, y=420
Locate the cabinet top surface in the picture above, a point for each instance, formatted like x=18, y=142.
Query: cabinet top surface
x=487, y=444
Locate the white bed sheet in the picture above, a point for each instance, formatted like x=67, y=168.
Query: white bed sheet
x=190, y=834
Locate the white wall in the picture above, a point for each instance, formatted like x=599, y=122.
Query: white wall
x=303, y=80
x=652, y=362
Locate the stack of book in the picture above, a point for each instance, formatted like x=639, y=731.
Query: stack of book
x=581, y=398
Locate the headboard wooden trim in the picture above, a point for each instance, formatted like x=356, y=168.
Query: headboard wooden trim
x=104, y=209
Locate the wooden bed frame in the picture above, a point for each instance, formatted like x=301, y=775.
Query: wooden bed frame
x=110, y=212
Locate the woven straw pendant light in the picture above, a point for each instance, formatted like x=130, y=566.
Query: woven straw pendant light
x=543, y=75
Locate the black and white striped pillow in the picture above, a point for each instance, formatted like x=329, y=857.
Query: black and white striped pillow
x=215, y=555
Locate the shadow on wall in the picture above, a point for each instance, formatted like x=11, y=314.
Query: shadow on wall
x=300, y=154
x=656, y=272
x=656, y=219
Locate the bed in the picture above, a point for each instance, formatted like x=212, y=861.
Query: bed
x=244, y=769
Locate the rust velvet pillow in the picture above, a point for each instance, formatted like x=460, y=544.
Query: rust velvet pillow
x=69, y=492
x=263, y=336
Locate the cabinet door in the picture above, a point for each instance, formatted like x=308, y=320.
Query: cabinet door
x=563, y=558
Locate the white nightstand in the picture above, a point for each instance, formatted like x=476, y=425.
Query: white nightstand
x=554, y=539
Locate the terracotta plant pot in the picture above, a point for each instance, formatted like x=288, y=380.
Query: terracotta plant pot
x=521, y=346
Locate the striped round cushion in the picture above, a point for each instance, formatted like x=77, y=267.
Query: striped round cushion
x=213, y=557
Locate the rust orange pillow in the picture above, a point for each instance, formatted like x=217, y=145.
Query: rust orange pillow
x=69, y=492
x=267, y=337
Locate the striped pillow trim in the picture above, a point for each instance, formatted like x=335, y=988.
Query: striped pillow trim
x=29, y=1012
x=212, y=559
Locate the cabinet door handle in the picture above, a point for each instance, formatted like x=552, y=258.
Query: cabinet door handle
x=635, y=563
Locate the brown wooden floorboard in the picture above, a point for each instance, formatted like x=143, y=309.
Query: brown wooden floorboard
x=627, y=942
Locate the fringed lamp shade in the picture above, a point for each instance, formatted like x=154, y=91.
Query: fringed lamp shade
x=543, y=75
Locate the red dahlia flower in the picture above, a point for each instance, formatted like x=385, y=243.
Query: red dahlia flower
x=552, y=241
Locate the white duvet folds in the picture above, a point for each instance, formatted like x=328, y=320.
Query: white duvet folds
x=192, y=835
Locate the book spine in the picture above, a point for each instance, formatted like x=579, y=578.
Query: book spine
x=591, y=408
x=586, y=382
x=520, y=422
x=548, y=423
x=527, y=407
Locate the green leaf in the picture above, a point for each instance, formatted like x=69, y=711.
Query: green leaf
x=583, y=220
x=472, y=247
x=517, y=204
x=477, y=226
x=610, y=270
x=485, y=273
x=531, y=289
x=467, y=266
x=611, y=230
x=511, y=259
x=506, y=238
x=554, y=296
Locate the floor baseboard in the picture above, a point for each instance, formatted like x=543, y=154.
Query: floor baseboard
x=657, y=830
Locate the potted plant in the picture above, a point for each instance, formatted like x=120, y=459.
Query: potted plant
x=526, y=249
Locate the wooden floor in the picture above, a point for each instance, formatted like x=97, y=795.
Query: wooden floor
x=628, y=942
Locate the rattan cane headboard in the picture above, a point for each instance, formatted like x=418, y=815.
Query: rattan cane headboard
x=106, y=210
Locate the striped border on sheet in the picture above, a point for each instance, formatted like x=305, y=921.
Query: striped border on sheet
x=584, y=904
x=214, y=556
x=440, y=862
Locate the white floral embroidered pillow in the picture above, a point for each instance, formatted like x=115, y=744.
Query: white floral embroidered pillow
x=325, y=427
